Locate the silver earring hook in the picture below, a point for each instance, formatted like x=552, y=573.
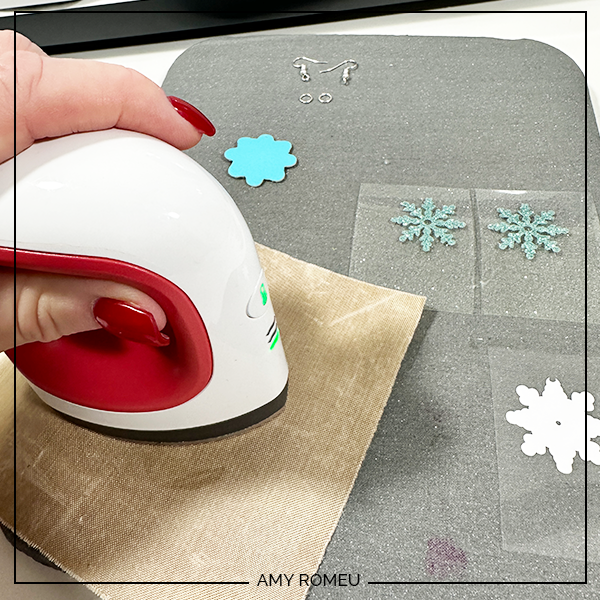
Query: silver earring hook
x=303, y=72
x=352, y=65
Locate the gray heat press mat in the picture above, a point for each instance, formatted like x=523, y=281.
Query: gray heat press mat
x=445, y=492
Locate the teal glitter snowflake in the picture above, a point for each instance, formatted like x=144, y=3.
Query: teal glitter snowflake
x=422, y=222
x=260, y=159
x=528, y=229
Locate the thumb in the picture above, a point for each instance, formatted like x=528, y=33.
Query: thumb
x=51, y=306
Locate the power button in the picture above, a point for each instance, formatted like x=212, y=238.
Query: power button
x=259, y=301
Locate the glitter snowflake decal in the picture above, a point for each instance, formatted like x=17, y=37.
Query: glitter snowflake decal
x=528, y=229
x=556, y=423
x=260, y=159
x=422, y=222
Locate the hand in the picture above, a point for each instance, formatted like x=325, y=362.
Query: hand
x=59, y=96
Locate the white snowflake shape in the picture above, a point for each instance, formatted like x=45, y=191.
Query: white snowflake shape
x=556, y=423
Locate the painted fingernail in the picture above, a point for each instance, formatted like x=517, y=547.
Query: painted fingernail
x=129, y=322
x=192, y=115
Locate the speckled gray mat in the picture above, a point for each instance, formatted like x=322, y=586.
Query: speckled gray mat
x=445, y=492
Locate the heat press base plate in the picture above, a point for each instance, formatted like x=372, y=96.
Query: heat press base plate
x=203, y=433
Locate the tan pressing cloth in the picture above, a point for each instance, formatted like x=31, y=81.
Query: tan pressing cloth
x=229, y=510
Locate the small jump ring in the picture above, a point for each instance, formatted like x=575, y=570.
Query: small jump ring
x=325, y=98
x=306, y=98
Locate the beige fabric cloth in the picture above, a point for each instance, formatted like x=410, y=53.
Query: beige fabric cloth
x=265, y=502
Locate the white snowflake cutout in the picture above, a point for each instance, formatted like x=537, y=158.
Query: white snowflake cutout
x=556, y=423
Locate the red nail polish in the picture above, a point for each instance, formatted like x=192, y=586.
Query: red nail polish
x=129, y=322
x=192, y=115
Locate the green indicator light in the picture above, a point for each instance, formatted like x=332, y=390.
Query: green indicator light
x=275, y=340
x=263, y=294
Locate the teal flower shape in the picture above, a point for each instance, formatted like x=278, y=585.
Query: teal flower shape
x=529, y=230
x=260, y=159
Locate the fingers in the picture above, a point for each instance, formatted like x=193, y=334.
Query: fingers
x=56, y=97
x=7, y=90
x=59, y=96
x=7, y=43
x=50, y=306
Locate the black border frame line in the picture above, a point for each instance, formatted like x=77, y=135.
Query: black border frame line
x=135, y=31
x=585, y=297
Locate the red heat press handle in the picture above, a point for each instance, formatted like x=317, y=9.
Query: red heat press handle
x=101, y=371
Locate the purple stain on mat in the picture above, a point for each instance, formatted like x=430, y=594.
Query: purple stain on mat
x=444, y=559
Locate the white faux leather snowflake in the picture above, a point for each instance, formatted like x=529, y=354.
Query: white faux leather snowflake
x=557, y=424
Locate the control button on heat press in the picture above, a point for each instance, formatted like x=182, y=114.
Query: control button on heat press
x=259, y=301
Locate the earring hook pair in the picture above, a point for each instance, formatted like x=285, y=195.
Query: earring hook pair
x=352, y=65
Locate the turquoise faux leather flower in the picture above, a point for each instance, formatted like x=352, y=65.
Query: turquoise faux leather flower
x=260, y=159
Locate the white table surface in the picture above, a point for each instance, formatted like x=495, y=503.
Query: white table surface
x=491, y=19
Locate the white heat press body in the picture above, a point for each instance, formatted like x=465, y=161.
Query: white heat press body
x=127, y=207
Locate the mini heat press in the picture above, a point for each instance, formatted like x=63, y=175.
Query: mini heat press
x=130, y=208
